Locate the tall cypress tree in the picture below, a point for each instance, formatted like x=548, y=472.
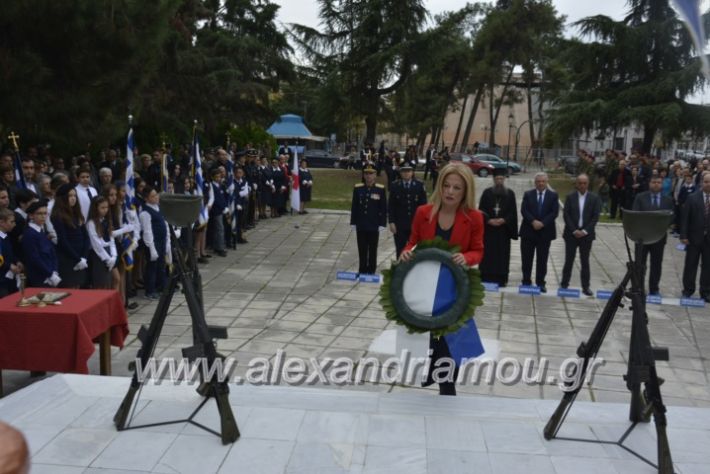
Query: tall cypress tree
x=637, y=70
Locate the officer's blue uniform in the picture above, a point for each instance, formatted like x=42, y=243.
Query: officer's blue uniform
x=405, y=197
x=368, y=214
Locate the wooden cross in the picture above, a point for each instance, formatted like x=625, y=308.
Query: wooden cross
x=13, y=138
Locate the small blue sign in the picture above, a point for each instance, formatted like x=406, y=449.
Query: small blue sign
x=351, y=276
x=604, y=294
x=369, y=278
x=488, y=286
x=568, y=293
x=693, y=302
x=680, y=247
x=654, y=299
x=528, y=290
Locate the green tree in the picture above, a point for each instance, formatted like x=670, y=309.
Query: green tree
x=637, y=70
x=366, y=46
x=71, y=69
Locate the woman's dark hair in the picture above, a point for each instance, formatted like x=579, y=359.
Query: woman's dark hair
x=94, y=216
x=62, y=211
x=115, y=210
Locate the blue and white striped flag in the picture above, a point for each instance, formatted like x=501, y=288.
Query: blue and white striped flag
x=130, y=180
x=231, y=197
x=430, y=289
x=199, y=180
x=19, y=176
x=689, y=11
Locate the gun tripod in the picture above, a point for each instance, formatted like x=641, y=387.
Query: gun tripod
x=641, y=370
x=186, y=273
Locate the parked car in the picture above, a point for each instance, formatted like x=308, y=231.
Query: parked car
x=321, y=159
x=478, y=167
x=498, y=162
x=569, y=163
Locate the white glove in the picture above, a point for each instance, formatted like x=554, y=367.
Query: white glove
x=226, y=211
x=153, y=255
x=239, y=207
x=53, y=279
x=283, y=188
x=381, y=229
x=53, y=237
x=81, y=265
x=256, y=186
x=110, y=262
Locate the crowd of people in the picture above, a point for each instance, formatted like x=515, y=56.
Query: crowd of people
x=637, y=182
x=70, y=225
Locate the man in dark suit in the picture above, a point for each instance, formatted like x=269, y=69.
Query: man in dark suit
x=368, y=217
x=653, y=200
x=695, y=234
x=581, y=215
x=539, y=209
x=406, y=195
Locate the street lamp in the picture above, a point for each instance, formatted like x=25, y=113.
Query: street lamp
x=511, y=125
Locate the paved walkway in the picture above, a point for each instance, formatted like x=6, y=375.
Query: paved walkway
x=279, y=292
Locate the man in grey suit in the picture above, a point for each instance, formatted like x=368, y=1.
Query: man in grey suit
x=581, y=215
x=695, y=234
x=653, y=200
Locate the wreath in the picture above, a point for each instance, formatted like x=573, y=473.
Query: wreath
x=469, y=291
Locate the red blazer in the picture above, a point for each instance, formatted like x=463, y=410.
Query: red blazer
x=467, y=232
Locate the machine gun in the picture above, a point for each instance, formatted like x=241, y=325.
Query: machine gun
x=181, y=210
x=642, y=228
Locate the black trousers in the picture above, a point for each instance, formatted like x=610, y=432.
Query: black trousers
x=694, y=254
x=400, y=240
x=585, y=247
x=367, y=250
x=440, y=350
x=656, y=253
x=528, y=249
x=618, y=200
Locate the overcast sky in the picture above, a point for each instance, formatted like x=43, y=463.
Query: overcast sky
x=306, y=11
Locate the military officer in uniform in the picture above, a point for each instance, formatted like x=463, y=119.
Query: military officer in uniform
x=406, y=195
x=368, y=217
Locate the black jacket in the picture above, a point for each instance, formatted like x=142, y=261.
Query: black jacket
x=590, y=215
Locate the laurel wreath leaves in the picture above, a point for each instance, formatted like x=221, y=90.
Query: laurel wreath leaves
x=476, y=295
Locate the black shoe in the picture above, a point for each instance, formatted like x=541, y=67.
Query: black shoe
x=564, y=286
x=543, y=289
x=526, y=283
x=202, y=260
x=242, y=241
x=221, y=253
x=687, y=294
x=207, y=255
x=706, y=298
x=132, y=305
x=587, y=291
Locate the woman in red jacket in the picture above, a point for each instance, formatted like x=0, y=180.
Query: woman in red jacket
x=451, y=215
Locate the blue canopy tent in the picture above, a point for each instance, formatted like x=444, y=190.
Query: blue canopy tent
x=290, y=129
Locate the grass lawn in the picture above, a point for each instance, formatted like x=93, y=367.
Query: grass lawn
x=333, y=188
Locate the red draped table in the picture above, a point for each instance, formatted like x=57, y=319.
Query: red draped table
x=60, y=338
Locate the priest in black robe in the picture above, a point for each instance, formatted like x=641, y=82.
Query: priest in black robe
x=500, y=212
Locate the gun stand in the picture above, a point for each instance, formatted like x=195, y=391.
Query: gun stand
x=184, y=271
x=641, y=366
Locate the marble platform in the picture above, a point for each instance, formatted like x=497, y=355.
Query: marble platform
x=67, y=420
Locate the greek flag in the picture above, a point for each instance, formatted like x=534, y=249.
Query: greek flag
x=199, y=180
x=231, y=198
x=430, y=289
x=19, y=176
x=689, y=11
x=130, y=181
